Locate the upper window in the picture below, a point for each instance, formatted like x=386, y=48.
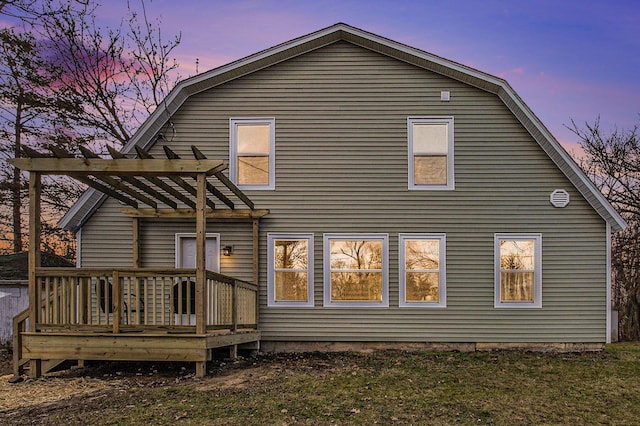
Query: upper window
x=290, y=270
x=430, y=153
x=252, y=152
x=518, y=275
x=422, y=270
x=356, y=271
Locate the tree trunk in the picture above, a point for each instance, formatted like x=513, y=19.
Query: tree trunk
x=16, y=186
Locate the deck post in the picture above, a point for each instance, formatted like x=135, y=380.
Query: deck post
x=201, y=226
x=35, y=187
x=201, y=369
x=256, y=259
x=234, y=307
x=233, y=350
x=256, y=249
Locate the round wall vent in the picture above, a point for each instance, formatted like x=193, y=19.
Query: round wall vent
x=559, y=198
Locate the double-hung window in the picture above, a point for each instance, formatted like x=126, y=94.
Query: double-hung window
x=252, y=152
x=422, y=270
x=356, y=270
x=290, y=270
x=430, y=153
x=518, y=271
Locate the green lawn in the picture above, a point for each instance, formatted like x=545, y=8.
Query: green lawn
x=384, y=388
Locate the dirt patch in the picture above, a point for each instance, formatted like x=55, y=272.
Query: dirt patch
x=6, y=362
x=46, y=390
x=102, y=383
x=107, y=383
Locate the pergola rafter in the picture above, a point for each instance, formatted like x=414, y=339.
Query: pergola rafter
x=210, y=188
x=157, y=182
x=176, y=179
x=136, y=183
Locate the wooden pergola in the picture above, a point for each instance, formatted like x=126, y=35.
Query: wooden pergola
x=168, y=188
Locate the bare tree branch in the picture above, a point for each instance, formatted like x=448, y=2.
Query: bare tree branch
x=612, y=161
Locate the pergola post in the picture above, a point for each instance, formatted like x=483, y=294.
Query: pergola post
x=35, y=189
x=201, y=228
x=135, y=232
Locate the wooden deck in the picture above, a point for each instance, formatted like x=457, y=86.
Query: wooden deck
x=136, y=313
x=133, y=314
x=133, y=346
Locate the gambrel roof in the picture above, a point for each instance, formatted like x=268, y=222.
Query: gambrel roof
x=147, y=134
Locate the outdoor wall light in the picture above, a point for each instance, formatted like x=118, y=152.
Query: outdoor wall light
x=227, y=250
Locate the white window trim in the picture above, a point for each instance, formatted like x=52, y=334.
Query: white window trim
x=537, y=274
x=271, y=273
x=233, y=151
x=450, y=155
x=384, y=303
x=442, y=271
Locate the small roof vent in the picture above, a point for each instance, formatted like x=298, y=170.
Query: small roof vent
x=559, y=198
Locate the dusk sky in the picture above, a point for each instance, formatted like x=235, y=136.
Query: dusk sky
x=567, y=59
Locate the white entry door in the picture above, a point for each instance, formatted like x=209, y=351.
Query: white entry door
x=186, y=251
x=186, y=258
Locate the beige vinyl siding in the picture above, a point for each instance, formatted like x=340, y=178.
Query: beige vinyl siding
x=107, y=242
x=107, y=238
x=158, y=245
x=341, y=167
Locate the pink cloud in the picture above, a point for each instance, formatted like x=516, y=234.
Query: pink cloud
x=514, y=71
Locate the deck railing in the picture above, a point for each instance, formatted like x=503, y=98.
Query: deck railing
x=126, y=300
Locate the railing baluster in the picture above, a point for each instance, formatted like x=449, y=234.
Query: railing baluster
x=83, y=314
x=95, y=283
x=117, y=302
x=235, y=307
x=172, y=315
x=145, y=292
x=56, y=300
x=154, y=302
x=44, y=293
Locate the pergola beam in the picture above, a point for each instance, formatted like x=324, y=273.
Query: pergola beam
x=214, y=214
x=120, y=167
